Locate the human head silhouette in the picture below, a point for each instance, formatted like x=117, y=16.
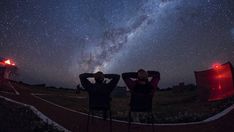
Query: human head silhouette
x=99, y=77
x=142, y=75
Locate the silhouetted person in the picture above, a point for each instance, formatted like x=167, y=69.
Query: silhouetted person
x=138, y=82
x=99, y=92
x=142, y=90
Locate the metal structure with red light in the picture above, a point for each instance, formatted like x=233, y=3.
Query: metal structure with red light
x=7, y=68
x=216, y=83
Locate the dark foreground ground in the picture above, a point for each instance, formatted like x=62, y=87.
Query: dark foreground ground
x=14, y=117
x=169, y=106
x=63, y=108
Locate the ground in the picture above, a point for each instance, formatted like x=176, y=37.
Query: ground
x=14, y=117
x=64, y=106
x=168, y=107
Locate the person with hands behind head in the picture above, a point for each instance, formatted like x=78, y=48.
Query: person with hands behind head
x=99, y=91
x=138, y=82
x=142, y=91
x=100, y=84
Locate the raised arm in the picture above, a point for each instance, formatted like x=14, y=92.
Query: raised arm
x=84, y=80
x=114, y=80
x=155, y=79
x=127, y=77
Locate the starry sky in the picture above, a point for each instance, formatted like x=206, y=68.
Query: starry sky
x=54, y=41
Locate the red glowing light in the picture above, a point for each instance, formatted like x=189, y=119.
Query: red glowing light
x=218, y=81
x=9, y=62
x=216, y=66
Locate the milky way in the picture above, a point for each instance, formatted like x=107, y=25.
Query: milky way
x=53, y=42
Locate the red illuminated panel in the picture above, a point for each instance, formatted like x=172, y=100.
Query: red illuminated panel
x=216, y=83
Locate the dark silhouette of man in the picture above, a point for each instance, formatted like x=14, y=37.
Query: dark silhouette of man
x=141, y=87
x=99, y=92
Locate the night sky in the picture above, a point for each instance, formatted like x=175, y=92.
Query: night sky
x=53, y=41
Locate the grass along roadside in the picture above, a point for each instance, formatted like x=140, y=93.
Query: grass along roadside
x=168, y=106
